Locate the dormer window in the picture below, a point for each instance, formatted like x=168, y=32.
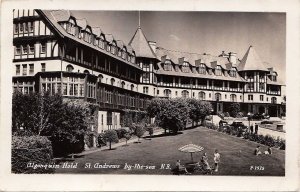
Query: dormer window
x=185, y=67
x=232, y=72
x=167, y=66
x=202, y=69
x=108, y=48
x=218, y=71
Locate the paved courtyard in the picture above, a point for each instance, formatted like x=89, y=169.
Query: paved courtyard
x=149, y=156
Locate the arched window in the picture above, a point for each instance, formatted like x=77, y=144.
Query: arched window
x=132, y=87
x=218, y=97
x=274, y=100
x=185, y=94
x=86, y=72
x=112, y=81
x=233, y=97
x=218, y=71
x=201, y=95
x=122, y=84
x=69, y=68
x=100, y=77
x=167, y=93
x=185, y=67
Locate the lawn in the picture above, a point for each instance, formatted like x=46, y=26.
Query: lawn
x=236, y=155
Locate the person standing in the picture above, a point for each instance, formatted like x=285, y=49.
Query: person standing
x=217, y=160
x=256, y=128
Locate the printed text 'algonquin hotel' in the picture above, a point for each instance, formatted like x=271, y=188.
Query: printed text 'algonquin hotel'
x=54, y=51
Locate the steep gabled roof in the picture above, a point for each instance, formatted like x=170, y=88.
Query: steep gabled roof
x=252, y=61
x=140, y=45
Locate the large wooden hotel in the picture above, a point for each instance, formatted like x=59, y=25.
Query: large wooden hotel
x=56, y=52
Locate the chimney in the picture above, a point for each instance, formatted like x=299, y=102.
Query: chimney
x=232, y=58
x=152, y=45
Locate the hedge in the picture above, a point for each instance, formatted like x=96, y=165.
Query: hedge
x=32, y=150
x=265, y=140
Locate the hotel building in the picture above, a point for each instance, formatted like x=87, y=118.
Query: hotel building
x=56, y=52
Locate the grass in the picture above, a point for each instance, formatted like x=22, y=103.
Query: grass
x=237, y=155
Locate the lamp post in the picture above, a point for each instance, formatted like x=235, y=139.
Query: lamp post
x=249, y=118
x=212, y=117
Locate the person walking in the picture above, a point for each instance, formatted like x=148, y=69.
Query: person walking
x=217, y=160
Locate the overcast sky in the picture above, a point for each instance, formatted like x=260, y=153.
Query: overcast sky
x=201, y=32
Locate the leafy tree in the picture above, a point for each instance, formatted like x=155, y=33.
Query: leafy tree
x=198, y=110
x=234, y=109
x=111, y=137
x=64, y=122
x=127, y=137
x=139, y=131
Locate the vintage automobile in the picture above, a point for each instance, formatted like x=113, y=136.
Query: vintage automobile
x=258, y=116
x=238, y=125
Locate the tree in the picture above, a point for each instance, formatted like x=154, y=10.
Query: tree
x=63, y=122
x=111, y=136
x=198, y=110
x=127, y=137
x=139, y=131
x=234, y=109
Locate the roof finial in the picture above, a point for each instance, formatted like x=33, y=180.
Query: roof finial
x=139, y=19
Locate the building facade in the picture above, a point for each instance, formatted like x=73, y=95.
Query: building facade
x=56, y=52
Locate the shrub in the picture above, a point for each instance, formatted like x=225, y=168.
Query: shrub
x=234, y=108
x=139, y=131
x=150, y=131
x=127, y=136
x=101, y=140
x=226, y=114
x=111, y=136
x=121, y=132
x=240, y=115
x=35, y=150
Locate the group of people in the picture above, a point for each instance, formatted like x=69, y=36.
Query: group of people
x=258, y=152
x=203, y=164
x=255, y=128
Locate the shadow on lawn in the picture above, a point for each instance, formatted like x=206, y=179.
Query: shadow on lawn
x=162, y=135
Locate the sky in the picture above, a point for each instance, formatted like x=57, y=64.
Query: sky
x=201, y=32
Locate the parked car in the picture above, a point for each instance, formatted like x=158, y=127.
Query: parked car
x=258, y=116
x=223, y=123
x=238, y=125
x=266, y=122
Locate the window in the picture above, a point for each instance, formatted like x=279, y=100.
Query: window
x=131, y=87
x=233, y=98
x=18, y=69
x=31, y=69
x=232, y=72
x=146, y=77
x=157, y=92
x=122, y=84
x=176, y=93
x=31, y=26
x=273, y=100
x=86, y=72
x=218, y=71
x=112, y=81
x=218, y=97
x=185, y=67
x=69, y=68
x=261, y=87
x=24, y=86
x=31, y=49
x=250, y=87
x=261, y=98
x=21, y=27
x=250, y=97
x=18, y=50
x=26, y=27
x=202, y=69
x=43, y=67
x=16, y=28
x=168, y=66
x=43, y=47
x=24, y=69
x=145, y=90
x=209, y=95
x=185, y=94
x=167, y=93
x=25, y=49
x=201, y=96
